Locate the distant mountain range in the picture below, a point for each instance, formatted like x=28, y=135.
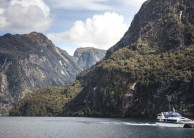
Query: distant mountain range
x=88, y=56
x=31, y=61
x=148, y=71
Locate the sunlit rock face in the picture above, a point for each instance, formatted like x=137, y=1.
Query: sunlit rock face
x=29, y=62
x=88, y=56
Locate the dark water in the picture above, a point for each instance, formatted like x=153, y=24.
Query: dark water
x=70, y=127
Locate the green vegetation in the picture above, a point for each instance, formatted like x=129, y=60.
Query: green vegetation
x=148, y=69
x=105, y=90
x=107, y=86
x=46, y=101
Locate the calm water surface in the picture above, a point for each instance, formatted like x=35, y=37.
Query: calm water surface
x=70, y=127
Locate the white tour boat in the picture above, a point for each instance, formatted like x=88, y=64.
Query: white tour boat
x=173, y=119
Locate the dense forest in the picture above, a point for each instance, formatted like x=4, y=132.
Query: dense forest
x=160, y=79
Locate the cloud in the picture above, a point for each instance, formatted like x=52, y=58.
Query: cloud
x=3, y=3
x=127, y=3
x=100, y=31
x=136, y=3
x=80, y=4
x=22, y=16
x=93, y=4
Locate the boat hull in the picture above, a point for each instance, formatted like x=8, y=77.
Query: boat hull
x=165, y=124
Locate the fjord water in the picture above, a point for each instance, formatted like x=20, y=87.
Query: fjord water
x=71, y=127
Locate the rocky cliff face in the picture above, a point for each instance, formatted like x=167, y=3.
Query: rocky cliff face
x=88, y=56
x=160, y=26
x=29, y=62
x=151, y=68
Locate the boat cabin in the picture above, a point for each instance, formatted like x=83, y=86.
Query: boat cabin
x=170, y=117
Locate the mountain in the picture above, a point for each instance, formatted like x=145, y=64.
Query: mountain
x=29, y=62
x=88, y=56
x=150, y=69
x=159, y=26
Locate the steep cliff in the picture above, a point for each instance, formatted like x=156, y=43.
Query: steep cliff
x=151, y=68
x=88, y=56
x=160, y=26
x=29, y=62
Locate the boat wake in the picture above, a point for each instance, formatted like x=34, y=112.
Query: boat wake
x=128, y=123
x=140, y=124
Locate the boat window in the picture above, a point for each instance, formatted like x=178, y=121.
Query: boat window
x=174, y=114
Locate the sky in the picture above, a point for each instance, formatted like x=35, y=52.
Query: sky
x=70, y=24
